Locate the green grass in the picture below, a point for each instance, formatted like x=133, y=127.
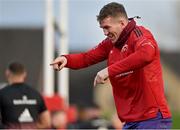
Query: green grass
x=176, y=120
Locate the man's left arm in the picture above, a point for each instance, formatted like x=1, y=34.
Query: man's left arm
x=44, y=117
x=44, y=120
x=143, y=55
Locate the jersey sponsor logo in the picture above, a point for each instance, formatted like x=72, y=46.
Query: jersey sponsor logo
x=24, y=101
x=25, y=116
x=124, y=48
x=124, y=74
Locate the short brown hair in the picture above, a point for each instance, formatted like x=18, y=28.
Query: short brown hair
x=16, y=68
x=112, y=9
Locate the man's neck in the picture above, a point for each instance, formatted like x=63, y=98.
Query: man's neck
x=16, y=80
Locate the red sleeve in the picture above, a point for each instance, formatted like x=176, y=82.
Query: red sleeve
x=144, y=54
x=93, y=56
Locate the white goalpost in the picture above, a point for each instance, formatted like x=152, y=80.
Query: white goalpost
x=49, y=50
x=63, y=77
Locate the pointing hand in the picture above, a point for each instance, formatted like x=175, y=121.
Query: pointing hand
x=59, y=63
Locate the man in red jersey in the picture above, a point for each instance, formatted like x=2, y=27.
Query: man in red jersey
x=133, y=67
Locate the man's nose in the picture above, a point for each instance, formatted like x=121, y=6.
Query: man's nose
x=105, y=32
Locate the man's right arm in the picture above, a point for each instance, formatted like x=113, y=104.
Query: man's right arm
x=82, y=60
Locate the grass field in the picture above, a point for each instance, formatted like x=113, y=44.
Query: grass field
x=176, y=120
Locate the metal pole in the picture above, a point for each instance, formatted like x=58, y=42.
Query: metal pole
x=48, y=50
x=63, y=77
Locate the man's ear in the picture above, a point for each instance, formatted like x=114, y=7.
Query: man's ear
x=123, y=22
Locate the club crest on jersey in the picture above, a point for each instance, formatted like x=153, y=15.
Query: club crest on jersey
x=124, y=48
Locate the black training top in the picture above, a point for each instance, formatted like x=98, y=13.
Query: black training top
x=20, y=104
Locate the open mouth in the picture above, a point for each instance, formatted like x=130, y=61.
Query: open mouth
x=110, y=36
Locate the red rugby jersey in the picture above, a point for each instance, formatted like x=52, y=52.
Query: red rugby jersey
x=135, y=74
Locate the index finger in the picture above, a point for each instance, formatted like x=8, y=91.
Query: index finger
x=55, y=62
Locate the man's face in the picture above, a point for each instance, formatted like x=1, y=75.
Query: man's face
x=112, y=28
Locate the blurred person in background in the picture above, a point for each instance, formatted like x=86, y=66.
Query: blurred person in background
x=90, y=117
x=59, y=120
x=133, y=67
x=2, y=85
x=21, y=106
